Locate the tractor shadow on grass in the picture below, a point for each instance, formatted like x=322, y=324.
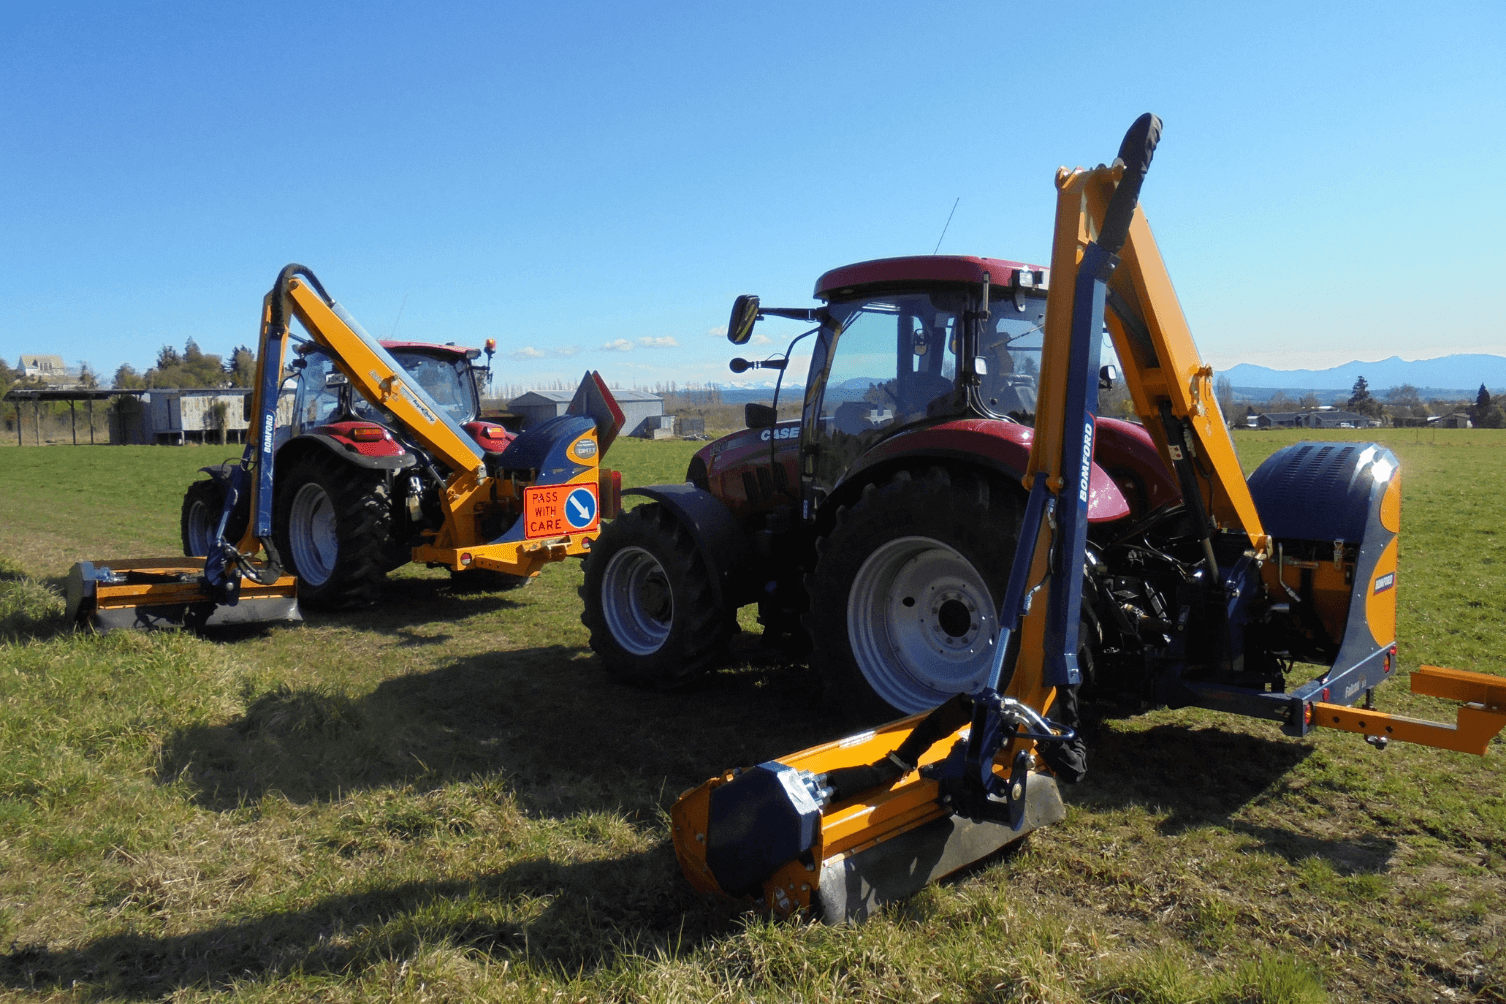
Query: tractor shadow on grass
x=548, y=720
x=1205, y=776
x=597, y=912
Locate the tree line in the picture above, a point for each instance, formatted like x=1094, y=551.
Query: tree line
x=192, y=367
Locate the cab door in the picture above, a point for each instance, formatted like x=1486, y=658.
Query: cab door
x=881, y=364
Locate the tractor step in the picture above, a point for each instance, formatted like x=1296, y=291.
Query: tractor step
x=169, y=592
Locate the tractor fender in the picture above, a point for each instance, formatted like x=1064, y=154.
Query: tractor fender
x=718, y=537
x=220, y=472
x=317, y=440
x=1000, y=446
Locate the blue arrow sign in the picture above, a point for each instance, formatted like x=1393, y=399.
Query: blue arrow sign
x=580, y=508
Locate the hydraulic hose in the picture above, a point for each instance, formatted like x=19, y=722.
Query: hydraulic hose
x=1135, y=152
x=846, y=782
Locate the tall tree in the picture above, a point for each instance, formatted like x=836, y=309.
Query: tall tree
x=1360, y=394
x=126, y=378
x=1223, y=389
x=87, y=378
x=242, y=367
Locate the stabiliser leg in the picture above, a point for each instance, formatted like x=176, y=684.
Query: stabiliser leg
x=1480, y=720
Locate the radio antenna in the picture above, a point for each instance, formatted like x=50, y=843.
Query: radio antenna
x=947, y=224
x=399, y=314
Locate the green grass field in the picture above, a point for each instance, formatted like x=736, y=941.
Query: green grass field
x=443, y=798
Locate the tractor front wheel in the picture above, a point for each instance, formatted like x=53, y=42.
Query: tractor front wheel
x=906, y=590
x=332, y=525
x=200, y=517
x=649, y=603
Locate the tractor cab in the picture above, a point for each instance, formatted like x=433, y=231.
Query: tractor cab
x=444, y=371
x=907, y=343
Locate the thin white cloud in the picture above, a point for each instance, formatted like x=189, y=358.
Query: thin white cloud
x=618, y=345
x=527, y=352
x=760, y=340
x=664, y=342
x=566, y=350
x=720, y=332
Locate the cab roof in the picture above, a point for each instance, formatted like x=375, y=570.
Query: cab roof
x=451, y=350
x=922, y=268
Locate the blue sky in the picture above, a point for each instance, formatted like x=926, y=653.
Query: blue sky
x=592, y=184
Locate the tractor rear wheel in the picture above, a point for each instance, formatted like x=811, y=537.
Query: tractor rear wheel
x=906, y=590
x=331, y=524
x=201, y=517
x=649, y=603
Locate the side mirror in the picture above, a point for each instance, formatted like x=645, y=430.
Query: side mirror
x=759, y=416
x=740, y=324
x=1108, y=376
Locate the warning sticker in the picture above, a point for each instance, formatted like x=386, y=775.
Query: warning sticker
x=555, y=510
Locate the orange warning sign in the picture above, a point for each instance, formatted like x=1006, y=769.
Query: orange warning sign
x=555, y=510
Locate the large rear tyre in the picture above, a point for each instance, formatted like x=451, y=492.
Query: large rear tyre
x=906, y=590
x=332, y=525
x=648, y=601
x=201, y=517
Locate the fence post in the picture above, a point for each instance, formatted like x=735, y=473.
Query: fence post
x=73, y=418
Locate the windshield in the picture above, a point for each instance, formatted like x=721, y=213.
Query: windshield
x=446, y=378
x=1008, y=357
x=894, y=356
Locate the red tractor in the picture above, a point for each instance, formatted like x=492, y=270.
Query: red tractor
x=876, y=532
x=353, y=488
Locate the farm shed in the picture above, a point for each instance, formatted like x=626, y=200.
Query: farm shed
x=190, y=416
x=639, y=408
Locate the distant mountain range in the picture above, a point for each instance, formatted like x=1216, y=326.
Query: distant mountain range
x=1452, y=377
x=1456, y=373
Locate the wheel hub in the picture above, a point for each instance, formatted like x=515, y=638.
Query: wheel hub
x=636, y=601
x=921, y=623
x=312, y=534
x=201, y=527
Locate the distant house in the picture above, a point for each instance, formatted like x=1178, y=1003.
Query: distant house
x=640, y=409
x=1457, y=420
x=51, y=369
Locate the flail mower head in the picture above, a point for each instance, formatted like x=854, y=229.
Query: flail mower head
x=171, y=592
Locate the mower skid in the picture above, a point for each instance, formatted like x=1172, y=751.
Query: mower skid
x=148, y=593
x=854, y=885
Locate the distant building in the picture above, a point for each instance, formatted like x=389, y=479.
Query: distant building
x=1321, y=418
x=183, y=416
x=1457, y=420
x=639, y=409
x=48, y=368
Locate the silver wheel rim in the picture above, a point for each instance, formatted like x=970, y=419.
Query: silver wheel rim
x=311, y=534
x=921, y=623
x=637, y=601
x=201, y=528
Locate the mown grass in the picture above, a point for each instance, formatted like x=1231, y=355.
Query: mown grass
x=443, y=798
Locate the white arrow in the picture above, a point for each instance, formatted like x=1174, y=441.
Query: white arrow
x=585, y=513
